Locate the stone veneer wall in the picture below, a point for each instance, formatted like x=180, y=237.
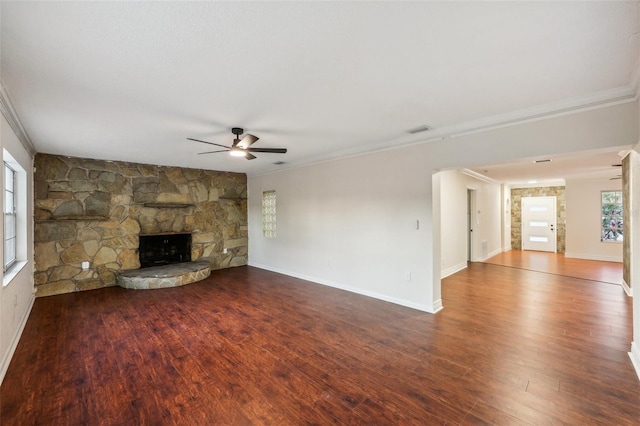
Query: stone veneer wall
x=626, y=214
x=94, y=211
x=516, y=213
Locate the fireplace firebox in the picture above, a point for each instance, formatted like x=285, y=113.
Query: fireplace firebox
x=163, y=249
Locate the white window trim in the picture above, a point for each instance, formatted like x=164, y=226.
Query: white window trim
x=7, y=266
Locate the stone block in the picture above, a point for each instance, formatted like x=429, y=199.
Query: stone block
x=40, y=190
x=105, y=255
x=202, y=237
x=117, y=213
x=90, y=284
x=40, y=278
x=175, y=175
x=130, y=226
x=41, y=214
x=127, y=242
x=63, y=272
x=60, y=195
x=166, y=185
x=87, y=234
x=192, y=174
x=50, y=167
x=121, y=199
x=85, y=275
x=208, y=249
x=213, y=194
x=77, y=174
x=166, y=197
x=129, y=259
x=196, y=251
x=238, y=261
x=53, y=288
x=54, y=231
x=46, y=255
x=198, y=192
x=178, y=224
x=97, y=204
x=107, y=277
x=82, y=185
x=75, y=254
x=72, y=208
x=236, y=242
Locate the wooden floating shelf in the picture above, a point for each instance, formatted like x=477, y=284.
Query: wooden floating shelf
x=168, y=205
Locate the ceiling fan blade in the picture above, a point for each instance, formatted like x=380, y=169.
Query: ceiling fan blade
x=210, y=143
x=247, y=141
x=213, y=152
x=250, y=156
x=269, y=150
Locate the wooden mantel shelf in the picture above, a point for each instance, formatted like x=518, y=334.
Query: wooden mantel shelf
x=169, y=205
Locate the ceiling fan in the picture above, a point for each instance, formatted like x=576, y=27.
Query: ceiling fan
x=241, y=147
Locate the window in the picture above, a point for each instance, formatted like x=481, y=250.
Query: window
x=611, y=216
x=269, y=214
x=9, y=217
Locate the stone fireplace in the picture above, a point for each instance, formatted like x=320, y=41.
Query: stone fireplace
x=92, y=215
x=164, y=249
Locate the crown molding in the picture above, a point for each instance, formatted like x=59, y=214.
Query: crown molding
x=635, y=78
x=9, y=113
x=478, y=176
x=620, y=95
x=604, y=99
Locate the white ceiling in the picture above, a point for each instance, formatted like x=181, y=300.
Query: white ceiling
x=132, y=80
x=532, y=172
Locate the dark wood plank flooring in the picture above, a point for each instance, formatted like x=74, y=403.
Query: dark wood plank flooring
x=247, y=346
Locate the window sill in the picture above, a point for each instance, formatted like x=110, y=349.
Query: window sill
x=12, y=272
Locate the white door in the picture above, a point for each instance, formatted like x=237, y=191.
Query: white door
x=539, y=223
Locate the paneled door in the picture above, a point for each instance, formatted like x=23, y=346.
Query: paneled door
x=539, y=223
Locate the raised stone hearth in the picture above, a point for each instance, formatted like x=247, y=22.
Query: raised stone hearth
x=164, y=276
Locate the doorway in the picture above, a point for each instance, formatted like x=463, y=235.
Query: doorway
x=471, y=220
x=539, y=224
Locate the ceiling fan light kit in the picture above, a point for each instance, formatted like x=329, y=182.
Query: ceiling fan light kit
x=237, y=152
x=241, y=147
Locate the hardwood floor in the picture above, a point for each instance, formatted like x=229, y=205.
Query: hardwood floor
x=553, y=263
x=247, y=346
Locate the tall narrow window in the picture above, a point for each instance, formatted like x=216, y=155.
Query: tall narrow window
x=269, y=214
x=9, y=217
x=612, y=216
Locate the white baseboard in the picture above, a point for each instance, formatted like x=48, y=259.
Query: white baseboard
x=507, y=248
x=626, y=288
x=635, y=357
x=4, y=366
x=593, y=257
x=437, y=305
x=452, y=270
x=490, y=255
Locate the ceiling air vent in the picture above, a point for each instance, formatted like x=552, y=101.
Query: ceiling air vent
x=548, y=160
x=279, y=163
x=419, y=129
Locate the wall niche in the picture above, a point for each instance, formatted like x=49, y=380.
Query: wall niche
x=94, y=211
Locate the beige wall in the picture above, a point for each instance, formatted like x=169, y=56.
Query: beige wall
x=94, y=211
x=454, y=240
x=584, y=220
x=16, y=294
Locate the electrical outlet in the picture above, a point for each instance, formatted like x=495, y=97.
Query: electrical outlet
x=224, y=250
x=85, y=266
